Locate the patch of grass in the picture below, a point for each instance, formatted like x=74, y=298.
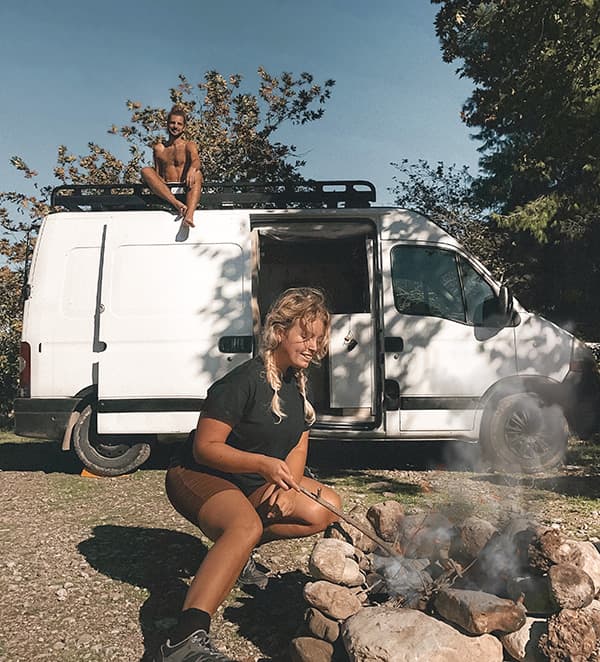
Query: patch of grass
x=71, y=488
x=6, y=436
x=585, y=454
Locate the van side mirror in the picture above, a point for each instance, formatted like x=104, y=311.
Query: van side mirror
x=497, y=311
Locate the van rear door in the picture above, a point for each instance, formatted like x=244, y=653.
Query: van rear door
x=168, y=296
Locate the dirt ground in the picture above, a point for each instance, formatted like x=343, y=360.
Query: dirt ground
x=96, y=568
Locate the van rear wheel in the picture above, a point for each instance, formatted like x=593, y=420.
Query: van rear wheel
x=106, y=455
x=523, y=434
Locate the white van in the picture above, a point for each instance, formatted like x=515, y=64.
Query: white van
x=130, y=316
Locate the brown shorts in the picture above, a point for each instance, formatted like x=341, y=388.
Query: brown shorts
x=189, y=489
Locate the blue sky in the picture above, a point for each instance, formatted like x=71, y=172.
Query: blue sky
x=68, y=67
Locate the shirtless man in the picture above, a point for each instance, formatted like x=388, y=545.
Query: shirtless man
x=176, y=161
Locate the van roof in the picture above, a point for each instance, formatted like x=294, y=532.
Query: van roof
x=232, y=195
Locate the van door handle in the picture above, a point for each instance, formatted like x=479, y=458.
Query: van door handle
x=393, y=344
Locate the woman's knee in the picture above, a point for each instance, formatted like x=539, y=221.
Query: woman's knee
x=231, y=516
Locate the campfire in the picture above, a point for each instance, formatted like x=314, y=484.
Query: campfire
x=393, y=586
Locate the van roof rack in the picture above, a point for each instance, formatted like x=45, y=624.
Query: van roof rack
x=216, y=195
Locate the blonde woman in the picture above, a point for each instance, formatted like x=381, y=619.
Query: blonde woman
x=239, y=483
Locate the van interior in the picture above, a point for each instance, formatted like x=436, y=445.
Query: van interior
x=338, y=258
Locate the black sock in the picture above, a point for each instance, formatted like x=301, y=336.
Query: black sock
x=190, y=620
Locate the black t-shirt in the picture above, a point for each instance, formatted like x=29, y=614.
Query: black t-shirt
x=242, y=399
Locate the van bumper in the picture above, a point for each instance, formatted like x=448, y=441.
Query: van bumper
x=43, y=418
x=581, y=397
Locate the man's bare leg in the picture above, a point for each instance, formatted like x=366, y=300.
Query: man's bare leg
x=192, y=199
x=158, y=186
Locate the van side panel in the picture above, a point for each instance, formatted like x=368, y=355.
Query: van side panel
x=165, y=306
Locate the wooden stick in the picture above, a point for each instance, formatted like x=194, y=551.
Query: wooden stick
x=387, y=548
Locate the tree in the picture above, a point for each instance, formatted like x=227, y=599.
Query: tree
x=536, y=69
x=234, y=130
x=445, y=195
x=236, y=135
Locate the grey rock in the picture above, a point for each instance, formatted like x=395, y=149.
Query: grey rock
x=320, y=626
x=342, y=530
x=471, y=537
x=332, y=560
x=386, y=518
x=589, y=561
x=386, y=634
x=572, y=587
x=478, y=612
x=337, y=602
x=308, y=649
x=522, y=645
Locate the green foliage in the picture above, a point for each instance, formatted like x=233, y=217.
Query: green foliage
x=11, y=280
x=445, y=195
x=235, y=133
x=535, y=66
x=234, y=130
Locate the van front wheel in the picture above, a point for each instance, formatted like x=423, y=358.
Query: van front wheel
x=523, y=434
x=106, y=455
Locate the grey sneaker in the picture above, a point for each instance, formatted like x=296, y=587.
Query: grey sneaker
x=195, y=648
x=252, y=576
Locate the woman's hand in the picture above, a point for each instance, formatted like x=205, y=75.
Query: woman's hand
x=277, y=472
x=280, y=503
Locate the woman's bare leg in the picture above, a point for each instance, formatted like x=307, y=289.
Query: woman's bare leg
x=230, y=520
x=309, y=517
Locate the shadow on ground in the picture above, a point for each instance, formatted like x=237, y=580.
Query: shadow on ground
x=158, y=560
x=571, y=486
x=271, y=618
x=331, y=455
x=48, y=457
x=401, y=455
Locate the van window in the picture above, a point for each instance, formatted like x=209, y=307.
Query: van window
x=477, y=292
x=426, y=281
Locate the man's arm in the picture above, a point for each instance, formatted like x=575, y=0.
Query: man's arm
x=157, y=162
